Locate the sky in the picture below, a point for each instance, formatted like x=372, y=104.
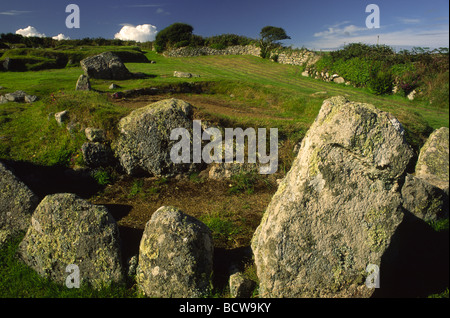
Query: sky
x=318, y=25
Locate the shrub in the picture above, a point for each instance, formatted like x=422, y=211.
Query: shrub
x=173, y=34
x=355, y=70
x=380, y=82
x=218, y=46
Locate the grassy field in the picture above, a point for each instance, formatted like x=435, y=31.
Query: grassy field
x=240, y=91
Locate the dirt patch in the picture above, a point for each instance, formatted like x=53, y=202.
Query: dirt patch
x=233, y=216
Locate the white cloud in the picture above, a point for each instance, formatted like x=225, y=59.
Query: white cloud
x=336, y=36
x=30, y=31
x=409, y=20
x=13, y=12
x=60, y=37
x=140, y=33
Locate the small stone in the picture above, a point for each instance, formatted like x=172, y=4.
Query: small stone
x=94, y=134
x=30, y=98
x=83, y=83
x=62, y=117
x=240, y=286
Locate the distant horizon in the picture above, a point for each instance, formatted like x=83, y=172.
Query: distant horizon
x=396, y=49
x=328, y=26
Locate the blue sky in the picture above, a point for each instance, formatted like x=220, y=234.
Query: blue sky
x=316, y=24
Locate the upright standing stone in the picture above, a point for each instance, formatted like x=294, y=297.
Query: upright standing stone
x=83, y=83
x=336, y=211
x=433, y=162
x=175, y=256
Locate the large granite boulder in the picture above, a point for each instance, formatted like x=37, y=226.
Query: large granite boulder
x=66, y=230
x=336, y=211
x=105, y=66
x=433, y=163
x=175, y=256
x=17, y=204
x=144, y=144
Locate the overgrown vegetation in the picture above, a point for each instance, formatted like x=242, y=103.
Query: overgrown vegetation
x=380, y=68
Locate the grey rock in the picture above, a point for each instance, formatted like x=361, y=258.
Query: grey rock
x=337, y=209
x=95, y=134
x=184, y=74
x=83, y=83
x=144, y=144
x=105, y=66
x=17, y=203
x=219, y=171
x=7, y=64
x=62, y=117
x=132, y=265
x=433, y=163
x=68, y=230
x=30, y=98
x=175, y=256
x=424, y=200
x=339, y=80
x=96, y=155
x=240, y=286
x=17, y=96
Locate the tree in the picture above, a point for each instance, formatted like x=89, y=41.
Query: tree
x=270, y=37
x=174, y=35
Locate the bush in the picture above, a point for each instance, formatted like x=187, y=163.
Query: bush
x=225, y=40
x=218, y=46
x=381, y=82
x=173, y=34
x=356, y=70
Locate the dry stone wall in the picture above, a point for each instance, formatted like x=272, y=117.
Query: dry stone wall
x=303, y=57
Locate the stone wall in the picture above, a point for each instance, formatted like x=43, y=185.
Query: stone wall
x=303, y=57
x=204, y=50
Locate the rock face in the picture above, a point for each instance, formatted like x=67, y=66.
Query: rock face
x=175, y=256
x=433, y=163
x=17, y=203
x=96, y=154
x=338, y=207
x=424, y=200
x=105, y=66
x=144, y=143
x=67, y=230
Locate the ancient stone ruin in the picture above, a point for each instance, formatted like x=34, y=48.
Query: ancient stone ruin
x=340, y=210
